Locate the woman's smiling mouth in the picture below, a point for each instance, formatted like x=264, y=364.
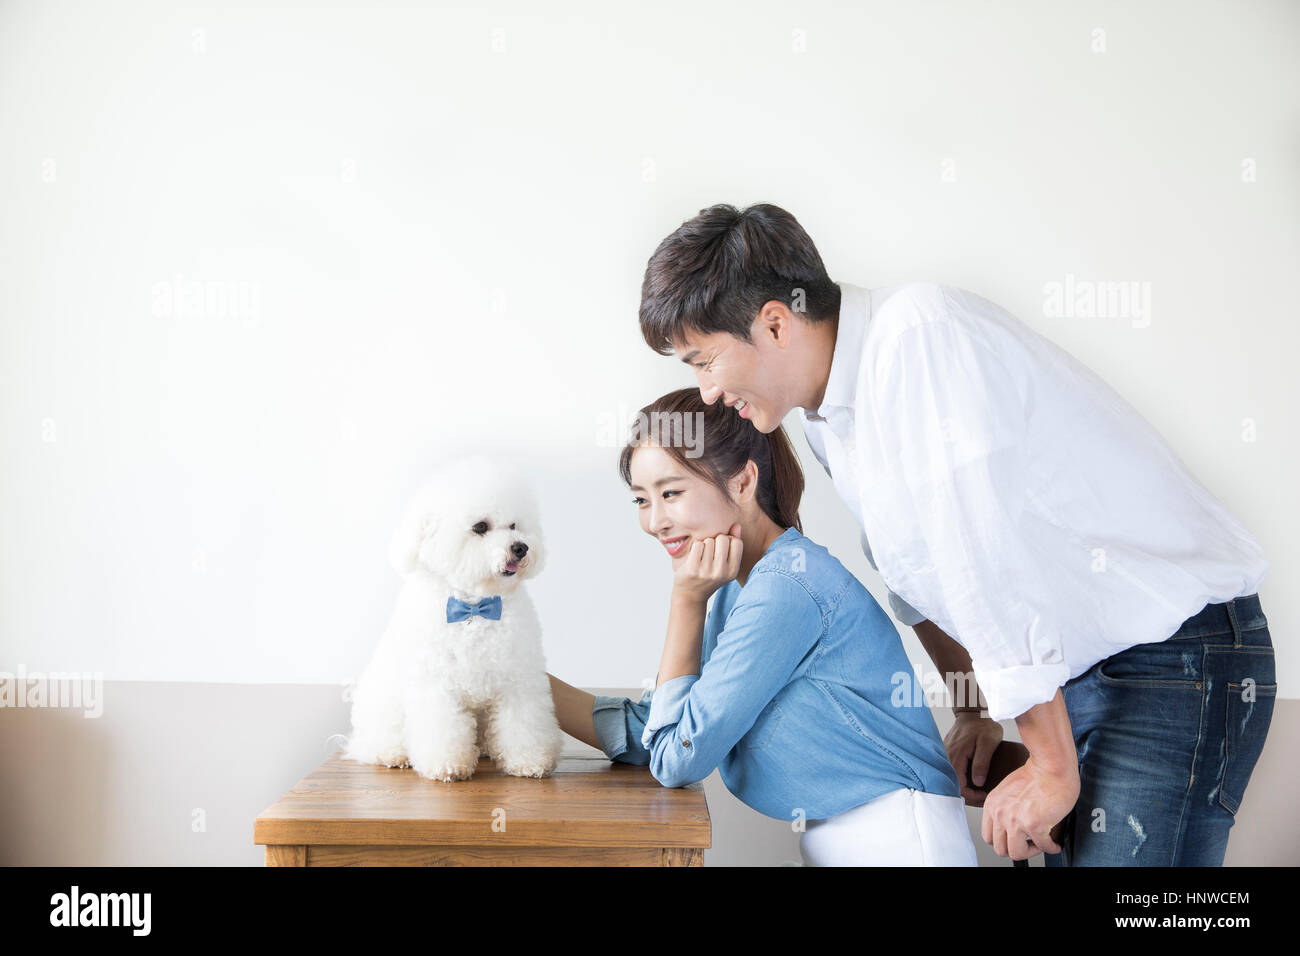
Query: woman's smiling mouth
x=675, y=545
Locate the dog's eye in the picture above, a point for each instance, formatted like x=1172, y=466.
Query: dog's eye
x=512, y=527
x=480, y=528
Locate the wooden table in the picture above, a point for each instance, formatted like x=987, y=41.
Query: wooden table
x=590, y=812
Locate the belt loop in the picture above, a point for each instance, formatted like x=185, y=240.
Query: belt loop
x=1232, y=618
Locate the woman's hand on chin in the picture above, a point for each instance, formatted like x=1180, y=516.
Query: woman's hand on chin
x=708, y=564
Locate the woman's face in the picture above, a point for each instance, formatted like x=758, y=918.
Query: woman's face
x=674, y=504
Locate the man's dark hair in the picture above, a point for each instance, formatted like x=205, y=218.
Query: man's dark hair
x=717, y=270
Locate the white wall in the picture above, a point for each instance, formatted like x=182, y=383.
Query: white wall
x=431, y=225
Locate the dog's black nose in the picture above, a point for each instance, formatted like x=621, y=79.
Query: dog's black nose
x=519, y=549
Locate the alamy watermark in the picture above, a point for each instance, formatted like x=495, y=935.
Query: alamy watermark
x=38, y=689
x=1098, y=299
x=183, y=298
x=665, y=429
x=952, y=689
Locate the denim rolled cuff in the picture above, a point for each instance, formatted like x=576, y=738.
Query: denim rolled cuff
x=608, y=715
x=618, y=724
x=667, y=705
x=1011, y=691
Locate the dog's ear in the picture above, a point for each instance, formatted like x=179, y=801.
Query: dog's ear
x=404, y=549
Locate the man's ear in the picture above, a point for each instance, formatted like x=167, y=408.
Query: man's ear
x=775, y=322
x=404, y=548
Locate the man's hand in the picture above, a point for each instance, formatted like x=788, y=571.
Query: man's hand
x=709, y=564
x=1025, y=806
x=970, y=743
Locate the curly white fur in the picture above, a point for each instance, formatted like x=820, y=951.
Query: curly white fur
x=436, y=695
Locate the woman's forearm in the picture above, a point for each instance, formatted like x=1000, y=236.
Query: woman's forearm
x=686, y=615
x=573, y=711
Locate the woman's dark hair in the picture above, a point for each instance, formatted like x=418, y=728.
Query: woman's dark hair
x=716, y=271
x=680, y=422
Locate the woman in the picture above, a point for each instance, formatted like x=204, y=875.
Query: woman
x=795, y=684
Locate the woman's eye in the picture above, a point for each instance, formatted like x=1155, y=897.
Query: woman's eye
x=637, y=501
x=480, y=528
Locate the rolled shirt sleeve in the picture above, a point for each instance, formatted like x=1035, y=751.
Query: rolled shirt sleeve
x=619, y=722
x=950, y=419
x=667, y=705
x=695, y=720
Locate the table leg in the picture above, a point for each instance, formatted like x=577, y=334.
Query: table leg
x=679, y=856
x=286, y=855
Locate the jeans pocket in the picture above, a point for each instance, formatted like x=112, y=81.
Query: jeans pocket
x=1248, y=720
x=1154, y=665
x=760, y=735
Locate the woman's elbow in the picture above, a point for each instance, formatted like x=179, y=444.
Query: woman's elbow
x=635, y=756
x=672, y=774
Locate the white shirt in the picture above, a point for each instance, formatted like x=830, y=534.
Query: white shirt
x=1013, y=497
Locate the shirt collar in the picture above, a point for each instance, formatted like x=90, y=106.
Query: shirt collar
x=842, y=384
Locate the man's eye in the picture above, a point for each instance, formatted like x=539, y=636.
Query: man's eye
x=480, y=528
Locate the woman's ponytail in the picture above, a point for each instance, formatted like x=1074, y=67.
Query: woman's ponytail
x=786, y=481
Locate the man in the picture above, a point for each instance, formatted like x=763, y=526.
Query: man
x=1030, y=526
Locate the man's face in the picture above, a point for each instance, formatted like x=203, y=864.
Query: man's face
x=739, y=373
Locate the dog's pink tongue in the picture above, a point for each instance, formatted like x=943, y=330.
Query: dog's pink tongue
x=512, y=565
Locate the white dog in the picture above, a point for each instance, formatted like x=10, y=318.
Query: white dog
x=460, y=670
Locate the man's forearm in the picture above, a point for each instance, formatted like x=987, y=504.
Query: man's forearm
x=681, y=656
x=951, y=659
x=1045, y=730
x=946, y=653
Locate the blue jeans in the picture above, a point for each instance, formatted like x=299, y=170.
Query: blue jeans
x=1167, y=735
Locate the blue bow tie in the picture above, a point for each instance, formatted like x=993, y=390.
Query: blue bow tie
x=489, y=607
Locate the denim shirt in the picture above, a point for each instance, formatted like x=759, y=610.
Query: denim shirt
x=805, y=700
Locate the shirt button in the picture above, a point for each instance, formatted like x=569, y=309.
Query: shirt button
x=686, y=743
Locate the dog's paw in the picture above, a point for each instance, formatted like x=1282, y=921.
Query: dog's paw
x=445, y=771
x=527, y=768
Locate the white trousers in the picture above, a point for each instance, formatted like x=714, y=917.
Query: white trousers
x=904, y=827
